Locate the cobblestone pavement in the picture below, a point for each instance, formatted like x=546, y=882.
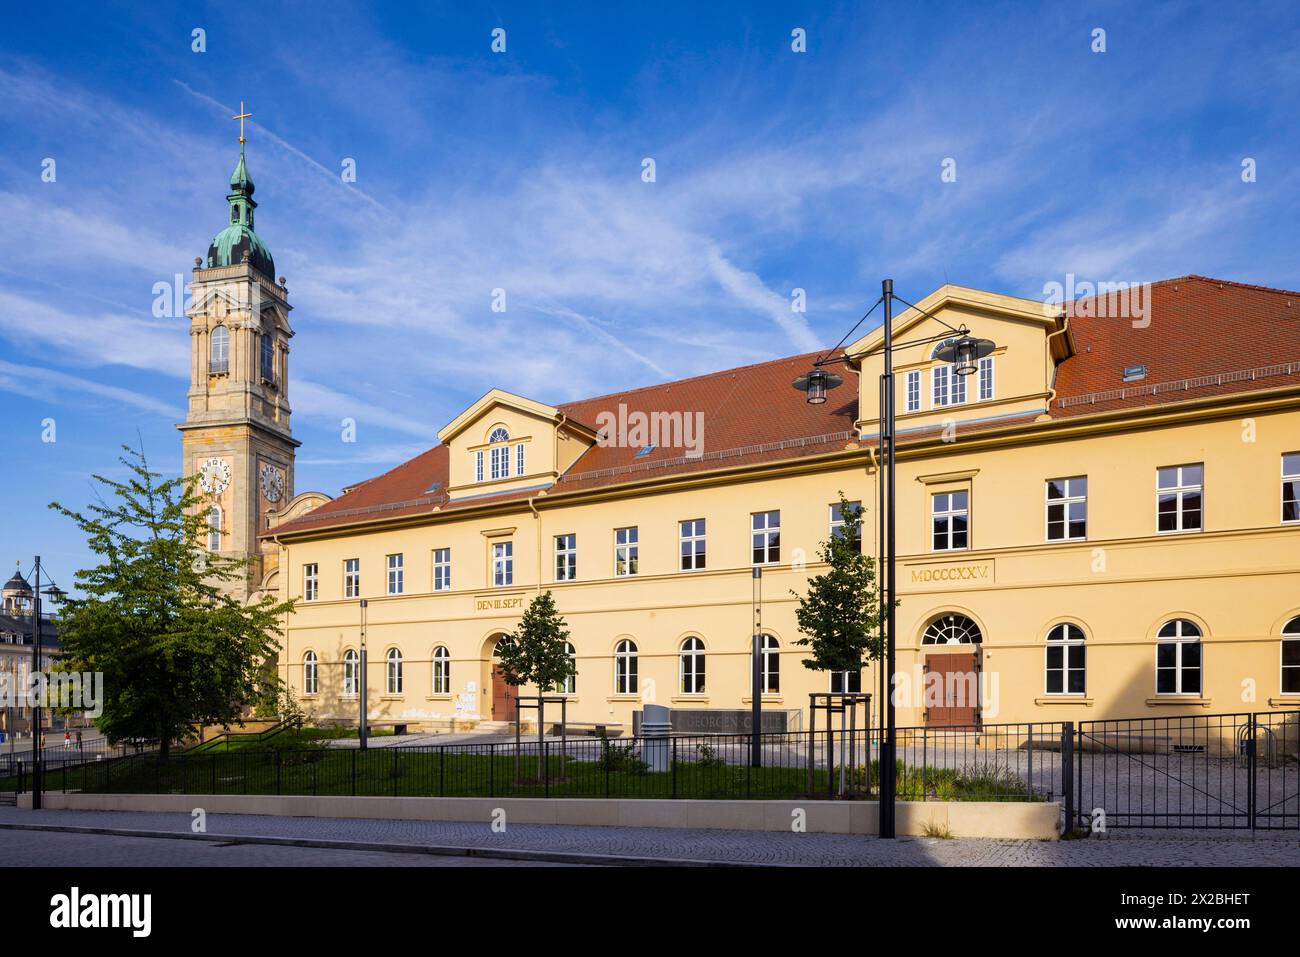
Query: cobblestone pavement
x=1197, y=849
x=44, y=849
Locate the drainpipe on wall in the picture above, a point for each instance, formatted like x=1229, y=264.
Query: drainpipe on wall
x=1047, y=344
x=537, y=517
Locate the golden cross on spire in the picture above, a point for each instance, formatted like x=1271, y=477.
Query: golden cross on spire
x=241, y=116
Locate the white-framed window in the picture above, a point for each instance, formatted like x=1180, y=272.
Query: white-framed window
x=503, y=563
x=1178, y=658
x=498, y=435
x=214, y=528
x=1291, y=657
x=352, y=578
x=441, y=670
x=219, y=351
x=939, y=379
x=395, y=574
x=310, y=675
x=393, y=671
x=478, y=466
x=846, y=682
x=837, y=521
x=566, y=557
x=441, y=569
x=912, y=397
x=350, y=667
x=950, y=520
x=985, y=379
x=519, y=459
x=690, y=670
x=769, y=665
x=310, y=582
x=957, y=388
x=627, y=551
x=1067, y=663
x=766, y=537
x=693, y=544
x=952, y=629
x=625, y=677
x=500, y=461
x=1291, y=487
x=1180, y=498
x=1067, y=509
x=570, y=684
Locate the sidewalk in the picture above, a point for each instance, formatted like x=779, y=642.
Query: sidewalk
x=616, y=845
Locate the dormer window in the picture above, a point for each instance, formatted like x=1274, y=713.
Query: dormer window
x=499, y=453
x=498, y=435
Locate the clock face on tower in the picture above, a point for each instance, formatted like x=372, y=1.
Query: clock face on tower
x=272, y=483
x=214, y=476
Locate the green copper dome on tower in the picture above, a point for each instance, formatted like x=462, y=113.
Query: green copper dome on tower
x=238, y=241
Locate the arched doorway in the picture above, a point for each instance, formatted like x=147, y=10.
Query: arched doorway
x=505, y=696
x=952, y=684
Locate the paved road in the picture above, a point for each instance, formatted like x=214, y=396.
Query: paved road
x=1178, y=850
x=44, y=849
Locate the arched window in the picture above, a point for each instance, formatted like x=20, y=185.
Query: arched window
x=350, y=673
x=770, y=665
x=952, y=630
x=309, y=674
x=1066, y=662
x=214, y=528
x=1178, y=658
x=1291, y=657
x=219, y=351
x=394, y=671
x=625, y=667
x=691, y=671
x=268, y=358
x=570, y=684
x=441, y=670
x=500, y=453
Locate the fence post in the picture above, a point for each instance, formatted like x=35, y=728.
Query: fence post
x=22, y=779
x=492, y=770
x=394, y=772
x=354, y=772
x=674, y=767
x=1251, y=768
x=546, y=769
x=214, y=772
x=277, y=771
x=1067, y=773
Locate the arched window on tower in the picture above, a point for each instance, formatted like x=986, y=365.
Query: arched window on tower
x=214, y=528
x=268, y=358
x=219, y=351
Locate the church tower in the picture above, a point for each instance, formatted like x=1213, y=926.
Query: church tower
x=236, y=435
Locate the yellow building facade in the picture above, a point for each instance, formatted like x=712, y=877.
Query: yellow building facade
x=1101, y=521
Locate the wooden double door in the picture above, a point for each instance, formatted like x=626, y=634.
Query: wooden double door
x=955, y=701
x=505, y=697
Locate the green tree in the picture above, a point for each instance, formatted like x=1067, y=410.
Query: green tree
x=537, y=652
x=175, y=650
x=840, y=614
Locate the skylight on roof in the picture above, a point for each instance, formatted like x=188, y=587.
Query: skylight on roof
x=433, y=488
x=646, y=450
x=1135, y=373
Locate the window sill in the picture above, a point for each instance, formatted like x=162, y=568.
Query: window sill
x=1178, y=699
x=690, y=699
x=438, y=697
x=623, y=697
x=392, y=697
x=1065, y=699
x=767, y=699
x=1291, y=700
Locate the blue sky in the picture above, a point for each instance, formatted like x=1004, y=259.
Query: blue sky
x=522, y=171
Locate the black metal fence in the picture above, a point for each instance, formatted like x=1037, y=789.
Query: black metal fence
x=1203, y=771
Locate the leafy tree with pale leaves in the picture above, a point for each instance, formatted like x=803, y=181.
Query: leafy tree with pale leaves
x=176, y=652
x=840, y=614
x=537, y=652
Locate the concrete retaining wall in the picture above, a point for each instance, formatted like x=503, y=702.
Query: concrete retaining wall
x=994, y=819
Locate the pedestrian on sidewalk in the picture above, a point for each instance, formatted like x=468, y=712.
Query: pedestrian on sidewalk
x=67, y=740
x=78, y=739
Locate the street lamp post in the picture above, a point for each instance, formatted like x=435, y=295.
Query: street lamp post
x=756, y=672
x=362, y=678
x=38, y=759
x=963, y=351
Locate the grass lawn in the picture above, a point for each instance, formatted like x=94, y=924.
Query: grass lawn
x=460, y=773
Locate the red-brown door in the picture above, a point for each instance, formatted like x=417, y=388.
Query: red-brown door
x=505, y=697
x=952, y=683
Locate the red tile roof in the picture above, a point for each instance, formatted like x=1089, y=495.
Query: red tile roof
x=1182, y=347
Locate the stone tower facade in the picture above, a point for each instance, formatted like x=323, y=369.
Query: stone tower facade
x=236, y=435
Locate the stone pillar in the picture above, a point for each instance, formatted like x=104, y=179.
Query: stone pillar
x=654, y=737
